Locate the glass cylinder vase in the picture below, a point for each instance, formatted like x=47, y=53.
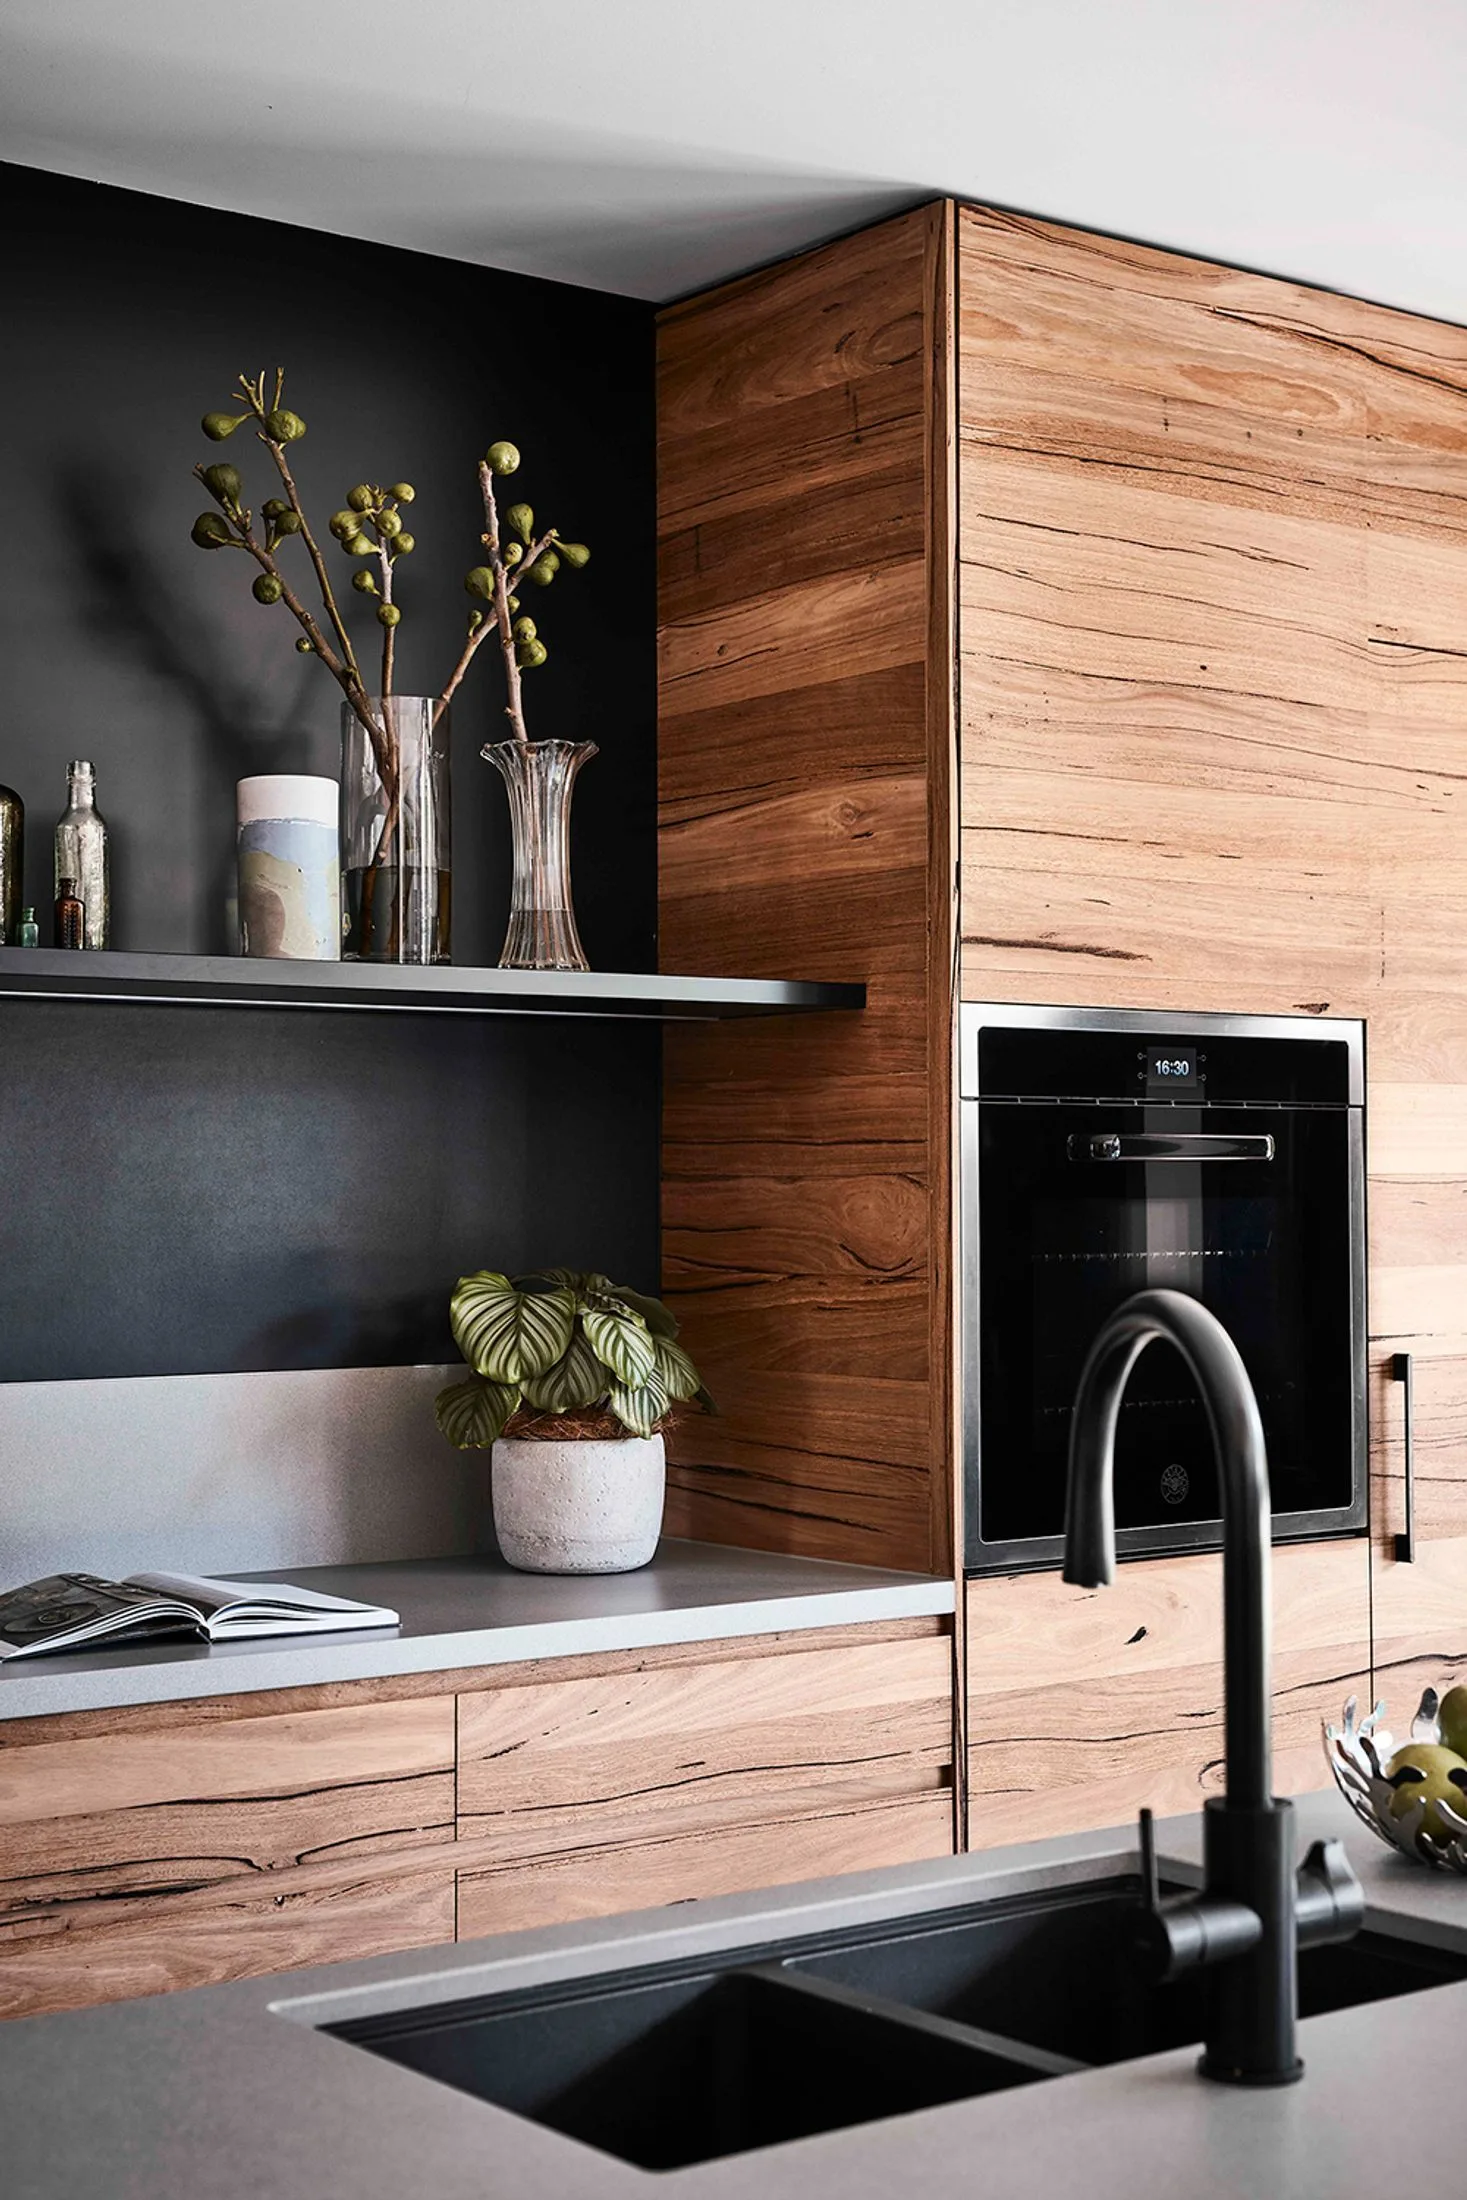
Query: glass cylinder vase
x=395, y=832
x=541, y=777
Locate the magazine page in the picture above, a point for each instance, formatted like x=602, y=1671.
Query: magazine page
x=260, y=1607
x=64, y=1611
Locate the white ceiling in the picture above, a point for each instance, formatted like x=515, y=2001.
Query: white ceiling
x=654, y=146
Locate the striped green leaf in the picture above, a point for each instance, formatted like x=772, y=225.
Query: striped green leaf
x=510, y=1335
x=675, y=1371
x=620, y=1340
x=577, y=1379
x=640, y=1406
x=472, y=1414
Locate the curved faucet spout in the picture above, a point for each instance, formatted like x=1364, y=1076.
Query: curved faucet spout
x=1237, y=1435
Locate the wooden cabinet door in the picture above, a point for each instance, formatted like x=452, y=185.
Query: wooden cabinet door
x=638, y=1781
x=1085, y=1704
x=145, y=1851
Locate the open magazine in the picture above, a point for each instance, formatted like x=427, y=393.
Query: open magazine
x=65, y=1611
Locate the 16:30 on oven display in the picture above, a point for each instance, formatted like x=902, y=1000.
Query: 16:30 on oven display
x=1172, y=1069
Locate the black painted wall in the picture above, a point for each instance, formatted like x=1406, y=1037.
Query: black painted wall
x=188, y=1190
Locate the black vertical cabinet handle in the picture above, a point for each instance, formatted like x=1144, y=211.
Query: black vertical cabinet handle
x=1405, y=1544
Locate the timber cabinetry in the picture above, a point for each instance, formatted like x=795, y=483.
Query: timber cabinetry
x=169, y=1846
x=1139, y=584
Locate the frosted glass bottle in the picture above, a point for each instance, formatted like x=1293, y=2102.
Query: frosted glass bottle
x=81, y=854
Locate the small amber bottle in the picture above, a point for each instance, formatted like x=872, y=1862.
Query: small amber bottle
x=70, y=916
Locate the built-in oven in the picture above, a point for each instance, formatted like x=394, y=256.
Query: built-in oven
x=1105, y=1152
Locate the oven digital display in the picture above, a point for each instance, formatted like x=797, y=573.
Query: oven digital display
x=1172, y=1069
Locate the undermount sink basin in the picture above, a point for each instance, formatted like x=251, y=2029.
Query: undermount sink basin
x=673, y=2064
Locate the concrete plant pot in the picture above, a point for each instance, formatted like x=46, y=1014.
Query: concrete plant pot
x=581, y=1507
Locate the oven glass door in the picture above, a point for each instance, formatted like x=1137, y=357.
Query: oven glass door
x=1248, y=1210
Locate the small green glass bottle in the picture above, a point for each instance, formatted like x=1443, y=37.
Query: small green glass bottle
x=28, y=932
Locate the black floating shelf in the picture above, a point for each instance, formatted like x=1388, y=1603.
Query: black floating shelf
x=59, y=974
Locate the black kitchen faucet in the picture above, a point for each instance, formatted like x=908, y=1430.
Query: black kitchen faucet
x=1255, y=1910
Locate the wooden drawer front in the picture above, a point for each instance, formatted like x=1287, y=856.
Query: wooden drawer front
x=1082, y=1705
x=131, y=1862
x=580, y=1797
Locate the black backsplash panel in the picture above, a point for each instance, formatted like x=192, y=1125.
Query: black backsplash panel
x=205, y=1189
x=197, y=1190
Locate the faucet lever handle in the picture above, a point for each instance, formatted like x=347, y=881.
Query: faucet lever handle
x=1150, y=1877
x=1330, y=1901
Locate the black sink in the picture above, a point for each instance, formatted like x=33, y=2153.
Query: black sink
x=673, y=2064
x=666, y=2071
x=1058, y=1972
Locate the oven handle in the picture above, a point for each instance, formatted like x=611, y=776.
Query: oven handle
x=1172, y=1146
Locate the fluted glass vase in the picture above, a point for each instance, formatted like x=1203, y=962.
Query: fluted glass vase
x=395, y=832
x=541, y=777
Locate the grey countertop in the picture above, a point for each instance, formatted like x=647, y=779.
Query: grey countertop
x=478, y=1611
x=233, y=2092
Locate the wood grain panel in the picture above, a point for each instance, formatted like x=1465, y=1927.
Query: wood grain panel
x=583, y=1795
x=1085, y=1704
x=851, y=1834
x=805, y=731
x=64, y=1956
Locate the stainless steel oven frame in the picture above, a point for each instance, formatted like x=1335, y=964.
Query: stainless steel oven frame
x=1035, y=1553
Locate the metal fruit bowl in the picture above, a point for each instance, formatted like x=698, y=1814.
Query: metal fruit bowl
x=1358, y=1754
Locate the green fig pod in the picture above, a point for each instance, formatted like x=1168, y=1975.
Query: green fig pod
x=388, y=614
x=512, y=553
x=389, y=524
x=210, y=532
x=520, y=518
x=544, y=569
x=503, y=458
x=274, y=507
x=480, y=583
x=360, y=546
x=575, y=553
x=343, y=525
x=362, y=580
x=476, y=620
x=403, y=491
x=267, y=588
x=360, y=498
x=404, y=542
x=218, y=425
x=222, y=481
x=306, y=646
x=531, y=654
x=524, y=630
x=288, y=523
x=283, y=426
x=514, y=603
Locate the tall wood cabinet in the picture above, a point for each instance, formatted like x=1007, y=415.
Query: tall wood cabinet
x=1140, y=585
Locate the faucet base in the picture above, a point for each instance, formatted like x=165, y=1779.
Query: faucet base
x=1207, y=2068
x=1249, y=1857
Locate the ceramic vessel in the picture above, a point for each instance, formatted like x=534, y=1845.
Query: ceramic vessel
x=289, y=880
x=578, y=1507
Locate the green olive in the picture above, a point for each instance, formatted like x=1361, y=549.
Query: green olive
x=267, y=588
x=480, y=582
x=503, y=458
x=210, y=532
x=575, y=553
x=222, y=481
x=524, y=630
x=405, y=542
x=388, y=614
x=389, y=523
x=520, y=519
x=360, y=498
x=217, y=426
x=362, y=580
x=283, y=426
x=403, y=491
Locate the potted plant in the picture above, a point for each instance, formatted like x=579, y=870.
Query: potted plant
x=395, y=826
x=574, y=1379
